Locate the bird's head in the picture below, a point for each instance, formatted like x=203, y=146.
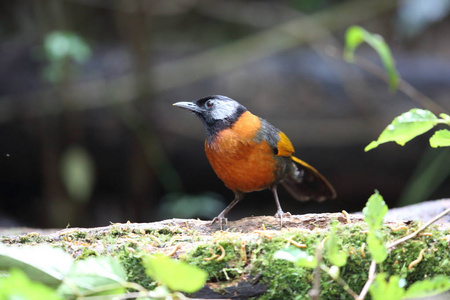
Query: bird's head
x=216, y=112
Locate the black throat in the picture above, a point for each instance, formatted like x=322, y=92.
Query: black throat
x=213, y=127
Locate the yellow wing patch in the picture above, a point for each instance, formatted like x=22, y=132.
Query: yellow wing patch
x=284, y=145
x=301, y=162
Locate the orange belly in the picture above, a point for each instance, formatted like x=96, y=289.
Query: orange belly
x=250, y=168
x=241, y=163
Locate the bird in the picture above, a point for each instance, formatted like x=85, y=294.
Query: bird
x=249, y=154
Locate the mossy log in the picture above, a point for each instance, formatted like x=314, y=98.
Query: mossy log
x=239, y=260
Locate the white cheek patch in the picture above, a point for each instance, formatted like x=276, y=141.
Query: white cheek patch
x=223, y=109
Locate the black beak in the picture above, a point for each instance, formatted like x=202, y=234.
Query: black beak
x=189, y=106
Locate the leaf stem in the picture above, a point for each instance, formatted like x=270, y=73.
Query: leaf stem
x=314, y=293
x=412, y=235
x=371, y=278
x=443, y=121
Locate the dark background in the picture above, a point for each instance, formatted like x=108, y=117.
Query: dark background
x=88, y=134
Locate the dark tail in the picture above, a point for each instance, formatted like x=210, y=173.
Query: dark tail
x=308, y=183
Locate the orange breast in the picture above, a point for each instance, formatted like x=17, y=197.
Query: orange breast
x=241, y=163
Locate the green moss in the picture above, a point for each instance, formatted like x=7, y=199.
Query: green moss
x=206, y=257
x=118, y=231
x=86, y=252
x=79, y=235
x=246, y=255
x=24, y=239
x=286, y=281
x=283, y=278
x=436, y=258
x=132, y=262
x=167, y=231
x=31, y=238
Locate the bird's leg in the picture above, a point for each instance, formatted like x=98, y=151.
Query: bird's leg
x=221, y=217
x=279, y=214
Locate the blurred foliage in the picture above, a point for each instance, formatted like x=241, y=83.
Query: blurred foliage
x=61, y=48
x=431, y=172
x=110, y=68
x=18, y=286
x=94, y=276
x=356, y=35
x=99, y=277
x=43, y=263
x=333, y=250
x=190, y=206
x=387, y=288
x=299, y=257
x=61, y=45
x=176, y=275
x=78, y=173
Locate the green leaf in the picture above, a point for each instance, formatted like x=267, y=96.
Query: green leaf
x=336, y=256
x=377, y=246
x=94, y=275
x=353, y=38
x=62, y=48
x=177, y=275
x=160, y=292
x=299, y=257
x=374, y=211
x=445, y=117
x=356, y=35
x=406, y=127
x=372, y=145
x=41, y=263
x=440, y=138
x=428, y=287
x=334, y=272
x=381, y=289
x=60, y=45
x=77, y=170
x=18, y=286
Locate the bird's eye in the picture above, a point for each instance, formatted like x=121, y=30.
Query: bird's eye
x=209, y=103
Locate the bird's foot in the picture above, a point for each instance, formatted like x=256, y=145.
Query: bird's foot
x=280, y=215
x=221, y=220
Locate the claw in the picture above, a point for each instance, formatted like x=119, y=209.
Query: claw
x=280, y=214
x=221, y=217
x=221, y=220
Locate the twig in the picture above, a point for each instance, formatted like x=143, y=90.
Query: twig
x=373, y=264
x=314, y=293
x=370, y=279
x=403, y=85
x=341, y=282
x=412, y=235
